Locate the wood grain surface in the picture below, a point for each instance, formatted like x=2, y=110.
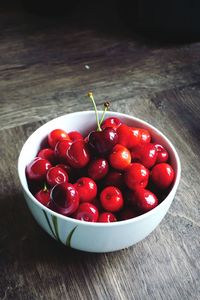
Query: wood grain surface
x=47, y=65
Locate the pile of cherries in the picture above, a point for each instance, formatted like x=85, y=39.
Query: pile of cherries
x=114, y=173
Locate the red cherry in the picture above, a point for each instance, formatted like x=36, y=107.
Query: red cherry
x=136, y=175
x=43, y=196
x=56, y=175
x=135, y=137
x=128, y=137
x=78, y=154
x=75, y=135
x=141, y=136
x=145, y=136
x=120, y=157
x=146, y=154
x=37, y=169
x=107, y=217
x=128, y=213
x=111, y=199
x=86, y=188
x=86, y=212
x=47, y=154
x=162, y=154
x=145, y=199
x=114, y=178
x=162, y=175
x=61, y=149
x=103, y=141
x=98, y=168
x=65, y=167
x=124, y=135
x=111, y=122
x=55, y=136
x=64, y=198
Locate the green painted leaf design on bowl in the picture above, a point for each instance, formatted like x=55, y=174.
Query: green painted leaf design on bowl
x=55, y=225
x=69, y=237
x=55, y=232
x=49, y=224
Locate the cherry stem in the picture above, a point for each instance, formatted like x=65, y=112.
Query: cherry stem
x=45, y=189
x=106, y=107
x=90, y=95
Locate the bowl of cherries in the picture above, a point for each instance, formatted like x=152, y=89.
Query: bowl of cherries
x=98, y=181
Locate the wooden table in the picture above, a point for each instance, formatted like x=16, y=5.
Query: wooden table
x=47, y=65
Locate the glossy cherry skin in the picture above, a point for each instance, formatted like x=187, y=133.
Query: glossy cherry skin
x=107, y=217
x=86, y=212
x=56, y=175
x=64, y=199
x=98, y=169
x=111, y=199
x=103, y=141
x=43, y=196
x=145, y=136
x=127, y=136
x=86, y=188
x=162, y=154
x=37, y=169
x=162, y=175
x=135, y=137
x=120, y=157
x=65, y=167
x=124, y=135
x=145, y=199
x=61, y=149
x=111, y=122
x=47, y=154
x=78, y=155
x=55, y=136
x=75, y=135
x=146, y=154
x=141, y=136
x=136, y=175
x=114, y=178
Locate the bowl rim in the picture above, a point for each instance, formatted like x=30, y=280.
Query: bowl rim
x=101, y=224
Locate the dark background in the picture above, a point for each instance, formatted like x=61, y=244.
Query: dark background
x=170, y=21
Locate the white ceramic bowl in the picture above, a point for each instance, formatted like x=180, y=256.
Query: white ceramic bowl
x=94, y=237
